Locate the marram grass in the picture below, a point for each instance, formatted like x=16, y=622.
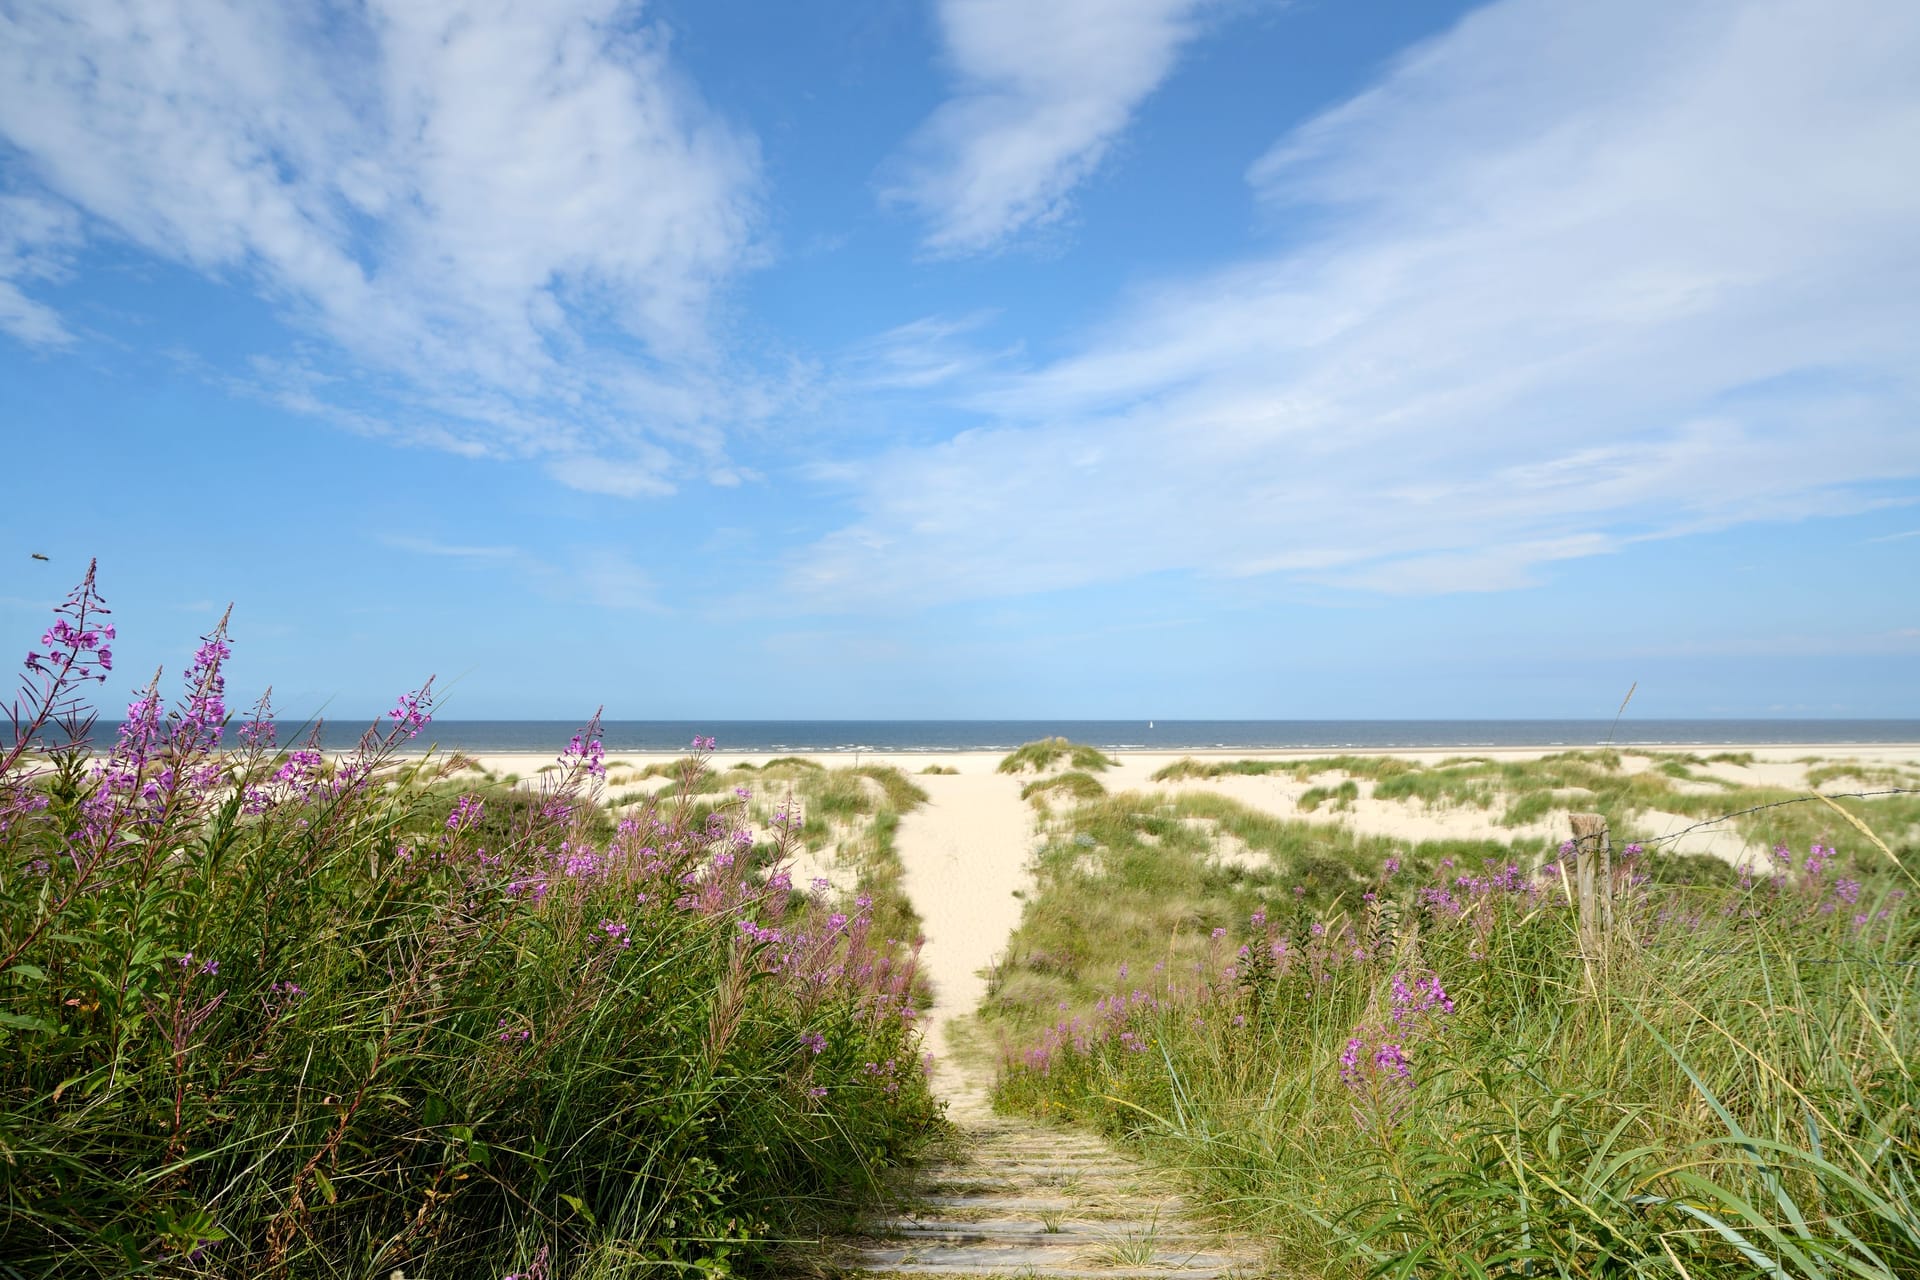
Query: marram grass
x=1423, y=1077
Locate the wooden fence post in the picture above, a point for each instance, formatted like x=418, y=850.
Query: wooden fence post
x=1593, y=872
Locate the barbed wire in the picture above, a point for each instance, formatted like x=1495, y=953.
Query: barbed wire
x=1777, y=804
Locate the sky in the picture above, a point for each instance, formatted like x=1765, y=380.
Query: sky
x=972, y=358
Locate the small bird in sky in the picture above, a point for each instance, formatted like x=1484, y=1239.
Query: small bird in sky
x=37, y=556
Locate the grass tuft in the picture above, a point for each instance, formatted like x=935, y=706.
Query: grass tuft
x=1038, y=757
x=1073, y=785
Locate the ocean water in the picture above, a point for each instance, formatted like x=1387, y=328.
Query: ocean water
x=1158, y=735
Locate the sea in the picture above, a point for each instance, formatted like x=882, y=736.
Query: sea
x=1124, y=735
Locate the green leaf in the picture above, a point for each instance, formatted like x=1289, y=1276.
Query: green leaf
x=25, y=1022
x=579, y=1206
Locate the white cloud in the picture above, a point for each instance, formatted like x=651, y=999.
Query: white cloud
x=924, y=353
x=616, y=479
x=1044, y=90
x=511, y=213
x=451, y=551
x=605, y=578
x=35, y=237
x=1591, y=275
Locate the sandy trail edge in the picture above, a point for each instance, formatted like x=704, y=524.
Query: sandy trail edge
x=964, y=853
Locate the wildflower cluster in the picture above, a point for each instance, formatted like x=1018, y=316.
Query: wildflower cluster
x=350, y=982
x=1377, y=1066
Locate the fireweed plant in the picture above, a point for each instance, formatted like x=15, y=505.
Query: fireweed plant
x=1426, y=1078
x=268, y=1013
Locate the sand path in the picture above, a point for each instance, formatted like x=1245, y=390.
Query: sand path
x=1009, y=1197
x=965, y=854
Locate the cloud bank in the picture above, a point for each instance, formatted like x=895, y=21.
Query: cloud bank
x=1584, y=275
x=512, y=218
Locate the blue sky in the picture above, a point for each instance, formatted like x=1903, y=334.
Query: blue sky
x=974, y=357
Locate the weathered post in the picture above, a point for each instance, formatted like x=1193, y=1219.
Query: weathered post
x=1593, y=872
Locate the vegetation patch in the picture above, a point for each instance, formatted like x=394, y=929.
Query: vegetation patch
x=1401, y=1062
x=1072, y=785
x=266, y=1014
x=1522, y=792
x=1132, y=876
x=1336, y=797
x=1038, y=757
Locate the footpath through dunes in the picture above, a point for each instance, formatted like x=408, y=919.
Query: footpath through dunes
x=1008, y=1197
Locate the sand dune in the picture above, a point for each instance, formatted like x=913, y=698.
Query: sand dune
x=966, y=851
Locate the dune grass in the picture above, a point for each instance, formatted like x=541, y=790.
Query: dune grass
x=1337, y=797
x=1073, y=785
x=265, y=1014
x=1397, y=1063
x=1521, y=792
x=1038, y=757
x=1131, y=876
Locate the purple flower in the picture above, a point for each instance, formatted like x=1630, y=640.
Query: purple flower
x=1419, y=1005
x=414, y=711
x=466, y=812
x=258, y=732
x=1373, y=1061
x=1816, y=863
x=585, y=749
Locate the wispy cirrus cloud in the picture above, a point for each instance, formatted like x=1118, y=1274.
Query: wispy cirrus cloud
x=503, y=222
x=36, y=238
x=1592, y=275
x=1042, y=93
x=601, y=576
x=451, y=550
x=920, y=355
